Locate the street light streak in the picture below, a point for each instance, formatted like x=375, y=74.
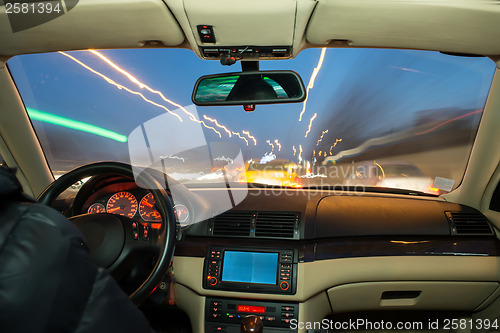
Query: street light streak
x=322, y=135
x=310, y=124
x=334, y=144
x=241, y=137
x=450, y=120
x=250, y=137
x=159, y=93
x=119, y=86
x=217, y=124
x=141, y=85
x=294, y=151
x=272, y=146
x=278, y=144
x=312, y=79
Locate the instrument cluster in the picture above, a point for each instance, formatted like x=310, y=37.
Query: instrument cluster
x=138, y=205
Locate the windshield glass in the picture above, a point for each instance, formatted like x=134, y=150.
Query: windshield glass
x=406, y=119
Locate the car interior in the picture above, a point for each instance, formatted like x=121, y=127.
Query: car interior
x=293, y=255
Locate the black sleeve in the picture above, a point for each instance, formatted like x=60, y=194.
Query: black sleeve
x=49, y=284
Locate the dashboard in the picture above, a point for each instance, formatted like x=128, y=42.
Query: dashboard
x=303, y=255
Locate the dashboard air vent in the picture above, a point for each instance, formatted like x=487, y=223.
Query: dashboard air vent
x=469, y=223
x=276, y=224
x=232, y=223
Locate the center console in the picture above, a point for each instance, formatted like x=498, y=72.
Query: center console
x=239, y=269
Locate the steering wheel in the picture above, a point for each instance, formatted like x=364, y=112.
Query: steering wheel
x=112, y=238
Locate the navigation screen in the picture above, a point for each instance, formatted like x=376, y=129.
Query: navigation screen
x=250, y=267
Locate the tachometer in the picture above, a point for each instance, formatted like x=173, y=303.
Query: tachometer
x=96, y=208
x=122, y=203
x=147, y=210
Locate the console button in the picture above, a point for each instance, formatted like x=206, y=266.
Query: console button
x=212, y=280
x=287, y=308
x=284, y=285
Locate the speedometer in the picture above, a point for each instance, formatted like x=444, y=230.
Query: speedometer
x=122, y=203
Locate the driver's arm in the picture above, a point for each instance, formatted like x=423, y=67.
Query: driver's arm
x=47, y=280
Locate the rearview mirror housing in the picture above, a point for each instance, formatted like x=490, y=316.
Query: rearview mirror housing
x=249, y=88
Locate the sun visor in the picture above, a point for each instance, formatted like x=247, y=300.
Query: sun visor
x=87, y=24
x=237, y=23
x=453, y=26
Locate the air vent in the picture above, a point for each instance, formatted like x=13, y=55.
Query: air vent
x=232, y=223
x=469, y=223
x=276, y=224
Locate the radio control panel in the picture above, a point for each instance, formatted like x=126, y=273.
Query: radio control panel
x=250, y=270
x=225, y=315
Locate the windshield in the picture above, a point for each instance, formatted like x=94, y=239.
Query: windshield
x=407, y=118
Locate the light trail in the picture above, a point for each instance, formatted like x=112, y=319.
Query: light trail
x=450, y=120
x=334, y=144
x=300, y=153
x=322, y=135
x=218, y=125
x=119, y=86
x=272, y=146
x=74, y=124
x=294, y=151
x=141, y=85
x=310, y=124
x=241, y=137
x=173, y=157
x=278, y=144
x=159, y=93
x=250, y=137
x=310, y=85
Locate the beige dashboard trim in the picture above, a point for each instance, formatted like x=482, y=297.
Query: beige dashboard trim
x=420, y=295
x=472, y=274
x=319, y=276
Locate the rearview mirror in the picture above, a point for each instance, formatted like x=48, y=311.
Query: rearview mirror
x=248, y=88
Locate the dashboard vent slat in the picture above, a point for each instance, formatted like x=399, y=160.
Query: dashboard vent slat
x=233, y=223
x=276, y=224
x=469, y=223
